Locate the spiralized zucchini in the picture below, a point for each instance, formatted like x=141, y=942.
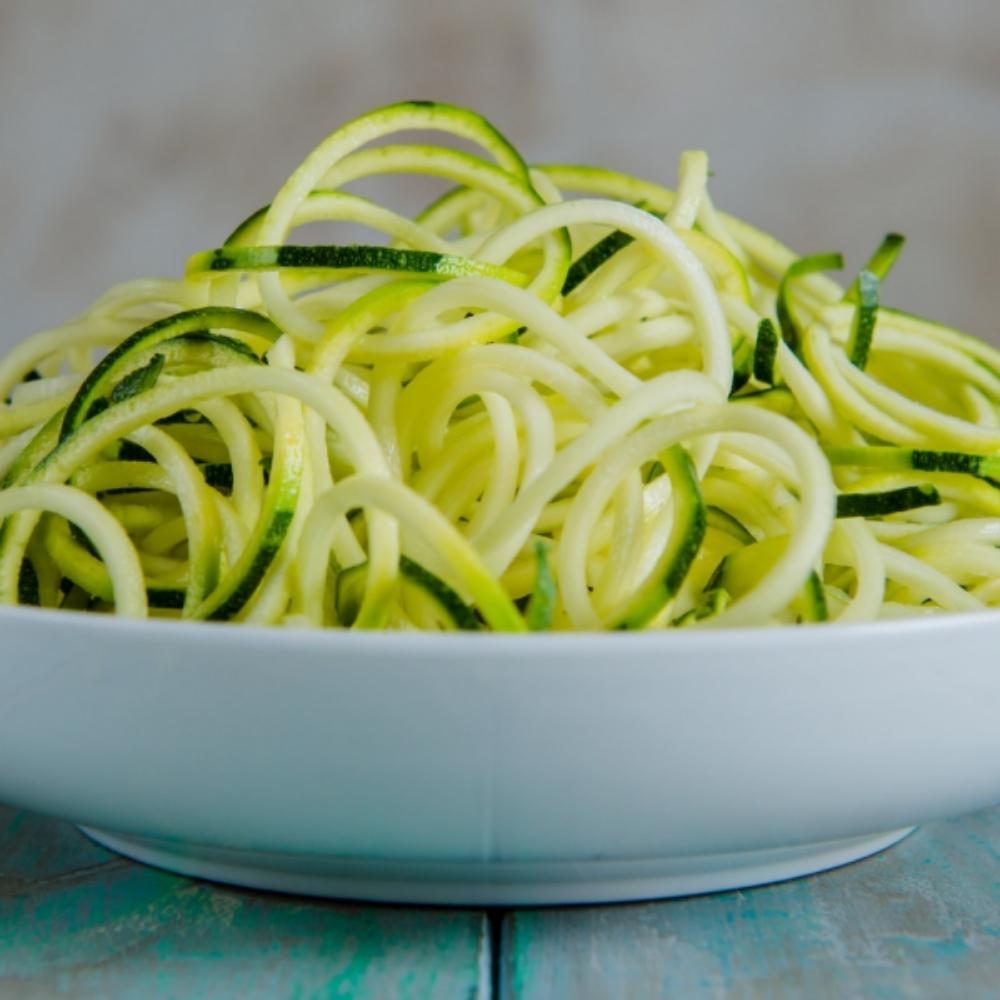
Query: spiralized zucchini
x=559, y=397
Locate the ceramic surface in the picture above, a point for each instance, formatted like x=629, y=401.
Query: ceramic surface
x=468, y=768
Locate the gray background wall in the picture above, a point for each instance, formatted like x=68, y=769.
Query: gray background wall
x=132, y=133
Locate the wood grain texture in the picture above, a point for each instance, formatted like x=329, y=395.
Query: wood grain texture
x=921, y=920
x=80, y=922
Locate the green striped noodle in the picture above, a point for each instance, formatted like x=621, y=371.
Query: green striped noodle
x=539, y=402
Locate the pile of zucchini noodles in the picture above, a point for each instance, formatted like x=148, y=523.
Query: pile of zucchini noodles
x=560, y=397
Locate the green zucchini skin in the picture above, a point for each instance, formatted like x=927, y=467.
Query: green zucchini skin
x=919, y=459
x=686, y=535
x=350, y=586
x=879, y=264
x=863, y=326
x=723, y=521
x=790, y=332
x=166, y=598
x=242, y=589
x=743, y=355
x=27, y=584
x=349, y=257
x=588, y=262
x=810, y=605
x=713, y=602
x=812, y=602
x=462, y=616
x=116, y=363
x=765, y=352
x=887, y=502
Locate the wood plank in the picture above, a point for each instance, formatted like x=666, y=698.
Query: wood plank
x=77, y=921
x=919, y=920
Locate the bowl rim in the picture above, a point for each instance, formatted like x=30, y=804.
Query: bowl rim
x=681, y=641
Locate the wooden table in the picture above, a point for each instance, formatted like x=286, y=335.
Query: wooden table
x=919, y=920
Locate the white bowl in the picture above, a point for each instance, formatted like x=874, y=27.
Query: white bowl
x=477, y=769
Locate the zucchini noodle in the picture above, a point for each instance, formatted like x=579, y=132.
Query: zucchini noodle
x=558, y=397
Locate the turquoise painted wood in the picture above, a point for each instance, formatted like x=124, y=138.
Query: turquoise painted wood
x=921, y=920
x=77, y=921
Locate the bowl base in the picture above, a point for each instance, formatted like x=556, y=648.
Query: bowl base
x=537, y=883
